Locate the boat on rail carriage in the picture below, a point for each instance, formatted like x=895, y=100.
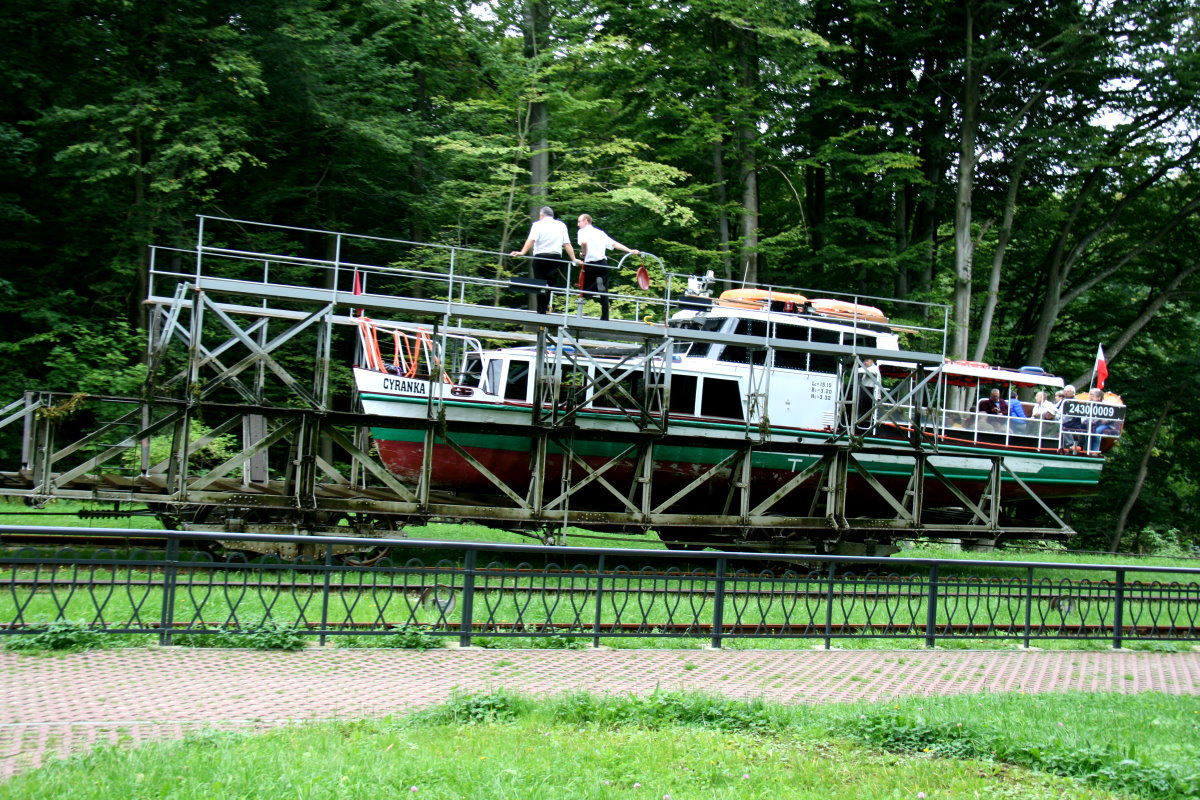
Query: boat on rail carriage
x=721, y=392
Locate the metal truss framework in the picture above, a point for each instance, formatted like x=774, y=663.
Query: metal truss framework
x=239, y=430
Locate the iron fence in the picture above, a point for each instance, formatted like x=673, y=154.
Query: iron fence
x=483, y=593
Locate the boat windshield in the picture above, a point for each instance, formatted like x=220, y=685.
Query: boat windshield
x=698, y=323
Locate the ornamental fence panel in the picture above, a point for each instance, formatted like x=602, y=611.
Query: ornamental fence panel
x=178, y=586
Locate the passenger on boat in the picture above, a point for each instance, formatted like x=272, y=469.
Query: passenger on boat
x=593, y=249
x=1071, y=441
x=1043, y=408
x=547, y=238
x=1100, y=427
x=992, y=405
x=1018, y=420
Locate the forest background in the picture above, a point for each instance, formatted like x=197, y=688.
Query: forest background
x=1032, y=164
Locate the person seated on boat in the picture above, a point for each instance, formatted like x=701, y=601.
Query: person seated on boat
x=870, y=388
x=1043, y=408
x=1018, y=419
x=1100, y=427
x=994, y=404
x=990, y=408
x=1072, y=442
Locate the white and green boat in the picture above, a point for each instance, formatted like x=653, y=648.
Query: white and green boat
x=738, y=421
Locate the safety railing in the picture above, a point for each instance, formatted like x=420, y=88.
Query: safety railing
x=480, y=593
x=350, y=264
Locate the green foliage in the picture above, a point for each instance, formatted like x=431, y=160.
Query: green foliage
x=904, y=733
x=218, y=449
x=265, y=634
x=406, y=637
x=97, y=357
x=560, y=641
x=1113, y=766
x=60, y=635
x=466, y=708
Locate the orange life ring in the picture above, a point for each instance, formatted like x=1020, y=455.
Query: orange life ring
x=761, y=299
x=978, y=364
x=847, y=310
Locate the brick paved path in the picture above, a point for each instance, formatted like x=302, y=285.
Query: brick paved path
x=66, y=704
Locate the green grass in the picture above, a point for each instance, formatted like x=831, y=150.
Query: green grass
x=677, y=746
x=1048, y=555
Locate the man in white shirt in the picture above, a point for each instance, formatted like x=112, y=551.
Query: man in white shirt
x=547, y=238
x=594, y=245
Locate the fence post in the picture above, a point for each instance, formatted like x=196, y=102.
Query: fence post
x=718, y=625
x=599, y=601
x=1028, y=604
x=468, y=603
x=325, y=593
x=1119, y=611
x=931, y=608
x=170, y=574
x=829, y=606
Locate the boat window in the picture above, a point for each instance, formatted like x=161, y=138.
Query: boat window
x=516, y=386
x=472, y=371
x=683, y=394
x=859, y=340
x=574, y=385
x=789, y=359
x=707, y=324
x=493, y=376
x=743, y=355
x=721, y=398
x=614, y=398
x=823, y=363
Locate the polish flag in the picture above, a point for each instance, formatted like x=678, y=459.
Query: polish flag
x=1100, y=371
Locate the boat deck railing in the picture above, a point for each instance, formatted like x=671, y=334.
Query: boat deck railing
x=1086, y=435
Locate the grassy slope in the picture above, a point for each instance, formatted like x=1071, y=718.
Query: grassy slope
x=676, y=746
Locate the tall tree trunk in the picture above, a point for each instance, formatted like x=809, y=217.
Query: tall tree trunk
x=1002, y=239
x=718, y=161
x=963, y=242
x=1139, y=480
x=536, y=16
x=748, y=142
x=814, y=195
x=900, y=219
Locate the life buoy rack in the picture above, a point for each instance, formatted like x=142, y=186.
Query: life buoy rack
x=843, y=309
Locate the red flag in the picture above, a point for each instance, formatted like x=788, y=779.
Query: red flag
x=358, y=289
x=1101, y=369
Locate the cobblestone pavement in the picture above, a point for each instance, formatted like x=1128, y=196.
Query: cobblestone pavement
x=56, y=705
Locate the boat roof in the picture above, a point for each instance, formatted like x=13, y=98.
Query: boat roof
x=795, y=317
x=970, y=373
